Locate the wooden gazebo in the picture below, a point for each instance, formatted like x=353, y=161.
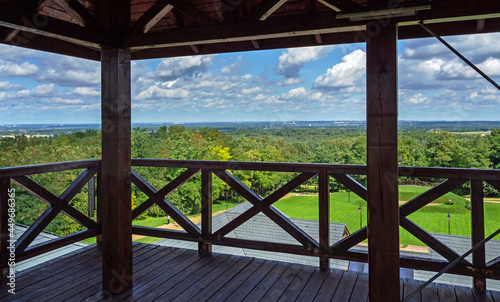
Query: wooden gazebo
x=117, y=32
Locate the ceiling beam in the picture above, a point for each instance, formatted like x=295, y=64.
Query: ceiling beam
x=405, y=32
x=27, y=6
x=192, y=12
x=75, y=9
x=265, y=9
x=56, y=46
x=480, y=25
x=299, y=25
x=152, y=16
x=49, y=27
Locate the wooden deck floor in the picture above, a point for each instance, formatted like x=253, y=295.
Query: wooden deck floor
x=169, y=274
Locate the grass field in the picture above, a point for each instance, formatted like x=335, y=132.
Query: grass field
x=431, y=218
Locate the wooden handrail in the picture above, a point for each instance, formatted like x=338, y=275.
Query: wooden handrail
x=10, y=172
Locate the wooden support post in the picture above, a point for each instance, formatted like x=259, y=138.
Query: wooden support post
x=115, y=187
x=478, y=256
x=382, y=164
x=98, y=209
x=206, y=210
x=4, y=225
x=324, y=217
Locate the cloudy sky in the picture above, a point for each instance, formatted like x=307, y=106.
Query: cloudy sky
x=315, y=83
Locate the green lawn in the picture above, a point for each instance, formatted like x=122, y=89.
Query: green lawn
x=431, y=218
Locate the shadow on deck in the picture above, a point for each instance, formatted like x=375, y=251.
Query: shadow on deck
x=172, y=274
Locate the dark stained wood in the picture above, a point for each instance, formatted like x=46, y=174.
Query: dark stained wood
x=494, y=263
x=410, y=286
x=482, y=295
x=430, y=293
x=251, y=166
x=340, y=5
x=429, y=196
x=495, y=296
x=163, y=273
x=312, y=287
x=429, y=240
x=145, y=186
x=115, y=200
x=329, y=286
x=324, y=217
x=270, y=212
x=463, y=294
x=297, y=284
x=158, y=197
x=272, y=276
x=228, y=288
x=46, y=168
x=477, y=218
x=346, y=243
x=351, y=184
x=151, y=16
x=50, y=213
x=5, y=204
x=265, y=9
x=382, y=163
x=206, y=210
x=269, y=200
x=185, y=7
x=44, y=195
x=360, y=291
x=446, y=293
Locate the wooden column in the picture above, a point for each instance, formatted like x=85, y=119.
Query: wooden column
x=324, y=217
x=206, y=210
x=382, y=164
x=478, y=256
x=115, y=185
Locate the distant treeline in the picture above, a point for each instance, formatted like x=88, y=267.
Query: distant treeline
x=416, y=148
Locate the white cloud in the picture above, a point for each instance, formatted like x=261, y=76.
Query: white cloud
x=172, y=68
x=155, y=92
x=44, y=90
x=344, y=74
x=291, y=61
x=9, y=69
x=87, y=91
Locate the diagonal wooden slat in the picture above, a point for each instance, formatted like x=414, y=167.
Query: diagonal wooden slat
x=269, y=211
x=171, y=186
x=429, y=196
x=495, y=184
x=432, y=242
x=51, y=212
x=265, y=9
x=188, y=9
x=43, y=194
x=269, y=200
x=29, y=6
x=158, y=198
x=346, y=243
x=154, y=14
x=351, y=184
x=340, y=5
x=494, y=263
x=78, y=12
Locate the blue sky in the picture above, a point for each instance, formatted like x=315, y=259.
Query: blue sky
x=315, y=83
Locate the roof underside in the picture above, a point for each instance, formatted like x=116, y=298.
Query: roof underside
x=167, y=28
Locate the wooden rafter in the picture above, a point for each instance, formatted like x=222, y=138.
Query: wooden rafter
x=77, y=11
x=340, y=5
x=29, y=6
x=192, y=12
x=151, y=17
x=265, y=9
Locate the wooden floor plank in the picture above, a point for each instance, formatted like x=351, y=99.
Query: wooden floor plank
x=346, y=286
x=193, y=284
x=482, y=296
x=140, y=268
x=172, y=277
x=410, y=286
x=261, y=289
x=222, y=280
x=430, y=293
x=446, y=293
x=280, y=286
x=239, y=279
x=252, y=282
x=360, y=292
x=313, y=285
x=295, y=288
x=92, y=280
x=464, y=294
x=329, y=287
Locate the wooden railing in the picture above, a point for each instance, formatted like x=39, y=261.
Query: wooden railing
x=307, y=245
x=57, y=204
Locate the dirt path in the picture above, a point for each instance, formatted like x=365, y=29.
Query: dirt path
x=175, y=226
